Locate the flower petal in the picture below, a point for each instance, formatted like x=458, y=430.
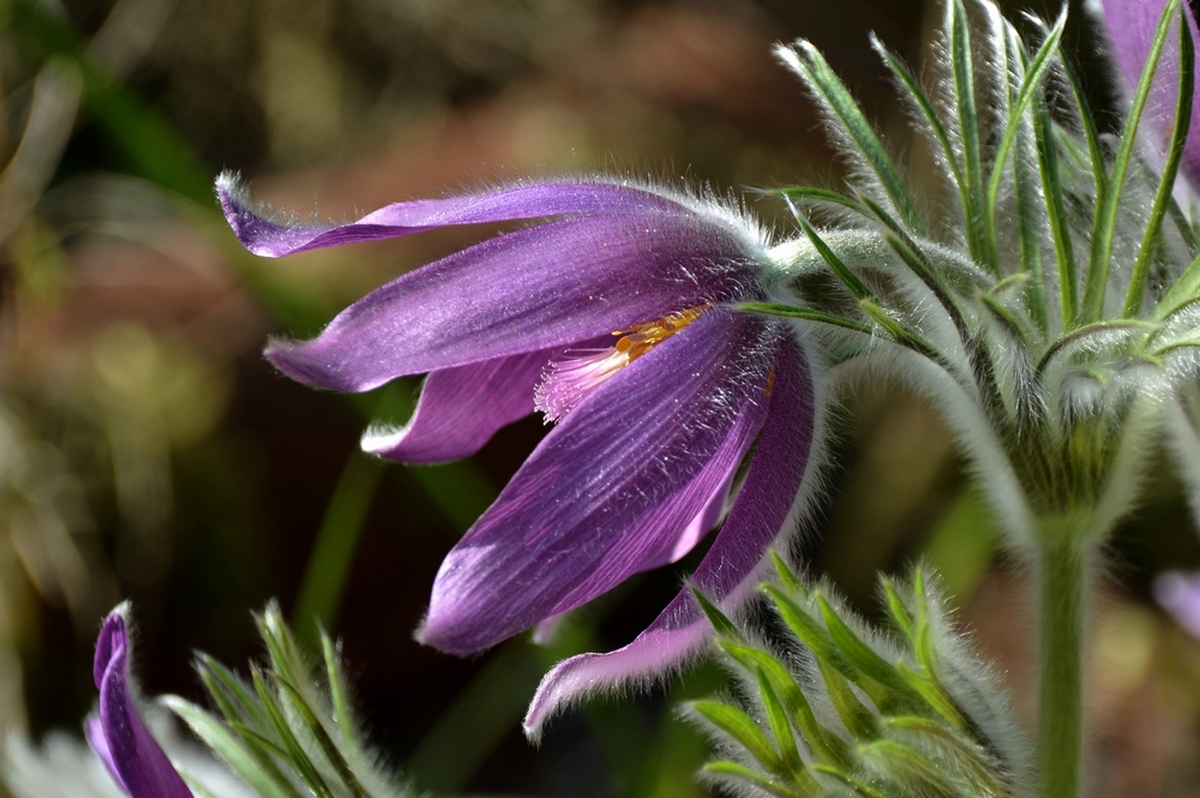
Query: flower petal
x=1179, y=594
x=120, y=737
x=1131, y=25
x=461, y=408
x=612, y=489
x=548, y=286
x=275, y=239
x=766, y=509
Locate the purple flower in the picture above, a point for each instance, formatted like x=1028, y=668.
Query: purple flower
x=613, y=317
x=1131, y=25
x=1179, y=594
x=119, y=735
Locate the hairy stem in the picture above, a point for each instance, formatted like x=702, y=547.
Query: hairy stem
x=1063, y=576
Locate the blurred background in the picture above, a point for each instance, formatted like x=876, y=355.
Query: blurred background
x=147, y=451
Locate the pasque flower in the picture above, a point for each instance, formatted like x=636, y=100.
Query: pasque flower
x=118, y=734
x=614, y=316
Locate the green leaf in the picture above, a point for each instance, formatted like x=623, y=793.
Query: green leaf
x=914, y=91
x=848, y=278
x=958, y=44
x=795, y=312
x=296, y=755
x=216, y=736
x=1182, y=292
x=1100, y=328
x=861, y=655
x=902, y=335
x=825, y=745
x=858, y=720
x=314, y=729
x=837, y=98
x=809, y=631
x=813, y=194
x=909, y=767
x=726, y=768
x=1028, y=207
x=912, y=256
x=787, y=577
x=720, y=621
x=342, y=713
x=741, y=728
x=967, y=756
x=1056, y=212
x=896, y=607
x=857, y=785
x=1030, y=86
x=781, y=729
x=230, y=693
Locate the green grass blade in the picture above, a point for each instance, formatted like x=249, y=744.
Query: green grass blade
x=337, y=542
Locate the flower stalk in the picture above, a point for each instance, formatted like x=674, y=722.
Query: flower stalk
x=1062, y=583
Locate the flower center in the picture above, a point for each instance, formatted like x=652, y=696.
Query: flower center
x=569, y=379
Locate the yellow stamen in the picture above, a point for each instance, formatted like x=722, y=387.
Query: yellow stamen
x=641, y=339
x=568, y=380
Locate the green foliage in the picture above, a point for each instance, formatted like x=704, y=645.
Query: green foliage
x=833, y=707
x=289, y=731
x=1053, y=292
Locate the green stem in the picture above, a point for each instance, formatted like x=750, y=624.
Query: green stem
x=1063, y=578
x=337, y=542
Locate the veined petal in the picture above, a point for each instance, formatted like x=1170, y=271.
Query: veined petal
x=548, y=286
x=765, y=509
x=461, y=408
x=119, y=736
x=612, y=489
x=1131, y=25
x=274, y=239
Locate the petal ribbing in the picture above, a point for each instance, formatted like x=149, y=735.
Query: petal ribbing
x=765, y=509
x=553, y=285
x=271, y=238
x=612, y=490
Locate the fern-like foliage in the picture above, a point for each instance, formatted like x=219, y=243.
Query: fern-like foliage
x=833, y=707
x=288, y=730
x=1045, y=293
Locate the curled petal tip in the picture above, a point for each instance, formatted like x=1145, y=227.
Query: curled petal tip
x=119, y=735
x=655, y=653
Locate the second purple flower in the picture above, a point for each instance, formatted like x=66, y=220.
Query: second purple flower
x=614, y=317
